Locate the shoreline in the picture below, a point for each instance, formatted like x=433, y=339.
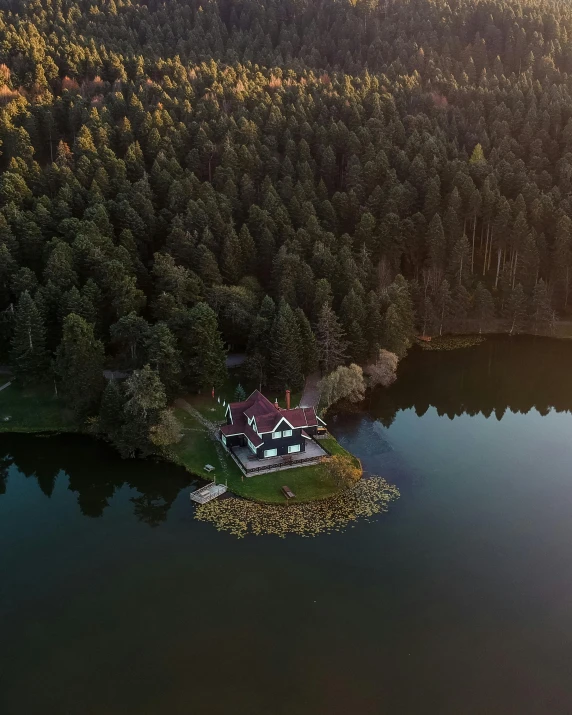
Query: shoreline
x=193, y=453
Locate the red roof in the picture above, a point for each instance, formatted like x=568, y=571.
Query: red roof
x=259, y=411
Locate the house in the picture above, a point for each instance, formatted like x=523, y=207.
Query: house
x=267, y=430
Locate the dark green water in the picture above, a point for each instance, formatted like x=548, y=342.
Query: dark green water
x=114, y=601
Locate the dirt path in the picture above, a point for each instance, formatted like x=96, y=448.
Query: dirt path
x=210, y=427
x=311, y=396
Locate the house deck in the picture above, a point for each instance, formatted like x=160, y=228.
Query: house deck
x=251, y=465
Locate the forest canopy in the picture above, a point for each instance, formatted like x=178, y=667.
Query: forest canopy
x=305, y=181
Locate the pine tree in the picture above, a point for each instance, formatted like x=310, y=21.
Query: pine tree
x=374, y=332
x=443, y=305
x=399, y=296
x=322, y=295
x=79, y=366
x=396, y=337
x=331, y=340
x=309, y=354
x=515, y=310
x=437, y=244
x=461, y=302
x=145, y=402
x=257, y=364
x=542, y=313
x=202, y=349
x=164, y=357
x=111, y=412
x=477, y=156
x=353, y=319
x=484, y=307
x=285, y=350
x=28, y=355
x=239, y=393
x=131, y=333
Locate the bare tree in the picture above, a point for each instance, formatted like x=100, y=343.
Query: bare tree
x=384, y=371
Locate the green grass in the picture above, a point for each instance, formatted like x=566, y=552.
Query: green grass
x=307, y=483
x=197, y=448
x=332, y=445
x=33, y=409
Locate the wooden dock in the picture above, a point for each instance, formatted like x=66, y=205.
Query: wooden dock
x=207, y=493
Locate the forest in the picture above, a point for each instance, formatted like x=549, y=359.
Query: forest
x=306, y=181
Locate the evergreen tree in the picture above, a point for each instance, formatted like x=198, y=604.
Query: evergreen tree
x=374, y=320
x=309, y=353
x=164, y=357
x=484, y=307
x=202, y=350
x=443, y=305
x=461, y=303
x=395, y=336
x=79, y=366
x=542, y=313
x=515, y=310
x=331, y=340
x=28, y=355
x=285, y=350
x=144, y=405
x=239, y=393
x=111, y=412
x=353, y=320
x=322, y=295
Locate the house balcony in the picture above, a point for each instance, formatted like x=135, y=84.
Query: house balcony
x=252, y=465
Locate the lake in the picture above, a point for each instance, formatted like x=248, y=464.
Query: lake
x=114, y=601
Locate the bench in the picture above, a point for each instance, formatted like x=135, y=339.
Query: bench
x=288, y=493
x=208, y=468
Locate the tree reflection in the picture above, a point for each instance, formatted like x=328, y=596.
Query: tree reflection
x=517, y=374
x=5, y=464
x=94, y=472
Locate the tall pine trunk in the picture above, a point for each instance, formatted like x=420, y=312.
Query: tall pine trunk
x=499, y=253
x=473, y=251
x=514, y=268
x=486, y=251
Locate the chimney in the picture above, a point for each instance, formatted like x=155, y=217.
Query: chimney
x=276, y=404
x=287, y=399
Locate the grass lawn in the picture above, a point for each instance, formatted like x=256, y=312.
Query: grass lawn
x=33, y=409
x=307, y=483
x=332, y=445
x=197, y=448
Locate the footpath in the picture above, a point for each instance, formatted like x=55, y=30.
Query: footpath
x=311, y=395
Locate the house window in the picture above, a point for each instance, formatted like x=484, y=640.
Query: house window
x=293, y=448
x=276, y=435
x=287, y=433
x=252, y=447
x=270, y=452
x=224, y=440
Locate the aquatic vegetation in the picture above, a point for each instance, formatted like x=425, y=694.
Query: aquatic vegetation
x=241, y=517
x=452, y=342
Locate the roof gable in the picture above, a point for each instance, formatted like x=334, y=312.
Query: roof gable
x=257, y=410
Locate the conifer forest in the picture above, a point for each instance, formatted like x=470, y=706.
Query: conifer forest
x=305, y=181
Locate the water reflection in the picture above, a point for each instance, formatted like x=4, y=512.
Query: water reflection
x=94, y=472
x=516, y=374
x=501, y=374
